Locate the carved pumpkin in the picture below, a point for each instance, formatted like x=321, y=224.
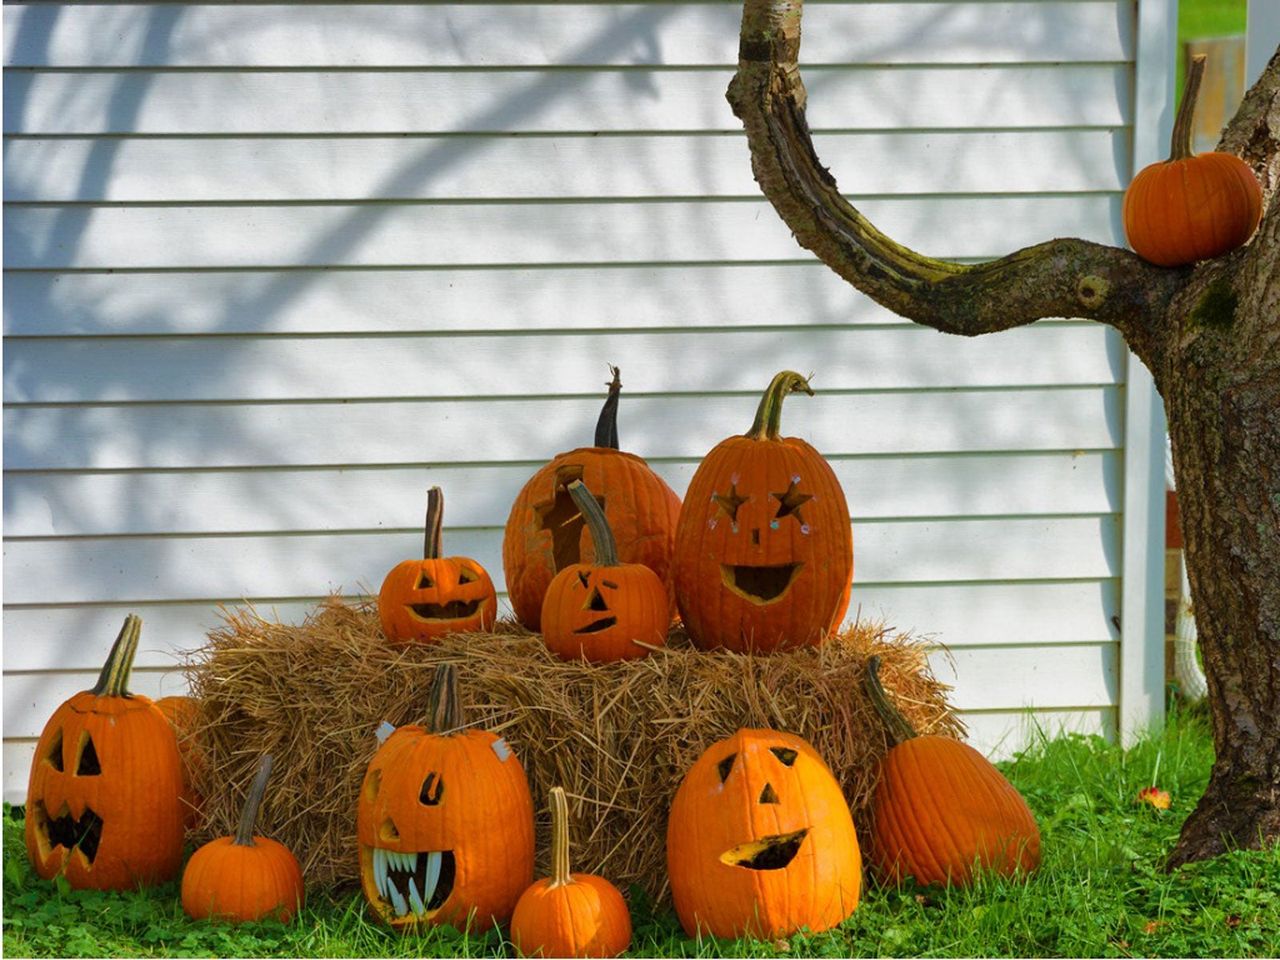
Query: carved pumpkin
x=760, y=840
x=569, y=914
x=598, y=610
x=182, y=712
x=764, y=548
x=1192, y=206
x=104, y=803
x=940, y=807
x=243, y=878
x=444, y=822
x=422, y=600
x=545, y=532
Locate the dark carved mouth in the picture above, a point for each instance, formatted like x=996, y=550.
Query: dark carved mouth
x=413, y=885
x=771, y=853
x=759, y=584
x=453, y=610
x=604, y=623
x=66, y=831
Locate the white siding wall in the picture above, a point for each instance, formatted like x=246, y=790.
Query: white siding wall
x=272, y=270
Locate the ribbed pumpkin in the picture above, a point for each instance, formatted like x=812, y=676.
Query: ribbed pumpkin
x=422, y=600
x=243, y=878
x=764, y=548
x=597, y=610
x=104, y=800
x=1192, y=206
x=569, y=914
x=760, y=840
x=545, y=532
x=182, y=712
x=940, y=807
x=444, y=822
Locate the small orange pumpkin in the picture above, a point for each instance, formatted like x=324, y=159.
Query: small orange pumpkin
x=1192, y=206
x=569, y=914
x=422, y=600
x=182, y=713
x=243, y=878
x=940, y=807
x=598, y=610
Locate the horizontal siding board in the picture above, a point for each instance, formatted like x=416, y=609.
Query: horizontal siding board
x=126, y=170
x=547, y=34
x=1013, y=678
x=180, y=370
x=447, y=431
x=550, y=101
x=278, y=501
x=909, y=551
x=30, y=698
x=533, y=233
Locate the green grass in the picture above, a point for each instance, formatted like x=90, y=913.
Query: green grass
x=1100, y=890
x=1199, y=19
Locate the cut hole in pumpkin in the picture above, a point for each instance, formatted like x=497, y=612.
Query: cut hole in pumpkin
x=759, y=584
x=413, y=885
x=67, y=831
x=786, y=756
x=453, y=610
x=54, y=756
x=425, y=582
x=372, y=784
x=596, y=602
x=725, y=766
x=604, y=623
x=432, y=790
x=768, y=794
x=87, y=765
x=561, y=517
x=771, y=853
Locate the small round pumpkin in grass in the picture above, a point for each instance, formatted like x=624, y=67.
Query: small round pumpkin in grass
x=940, y=808
x=422, y=600
x=569, y=914
x=243, y=878
x=599, y=610
x=1192, y=206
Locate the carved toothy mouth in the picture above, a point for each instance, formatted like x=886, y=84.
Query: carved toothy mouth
x=604, y=623
x=453, y=610
x=67, y=831
x=412, y=886
x=760, y=584
x=770, y=853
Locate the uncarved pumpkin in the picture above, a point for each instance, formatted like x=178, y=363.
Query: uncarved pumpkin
x=940, y=808
x=545, y=532
x=1192, y=206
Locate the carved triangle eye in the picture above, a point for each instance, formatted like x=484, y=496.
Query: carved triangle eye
x=54, y=756
x=786, y=755
x=596, y=602
x=466, y=576
x=87, y=765
x=725, y=766
x=425, y=582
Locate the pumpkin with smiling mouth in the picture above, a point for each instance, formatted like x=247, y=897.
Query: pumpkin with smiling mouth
x=430, y=850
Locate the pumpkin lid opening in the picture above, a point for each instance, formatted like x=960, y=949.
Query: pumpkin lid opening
x=113, y=681
x=768, y=422
x=900, y=729
x=607, y=425
x=252, y=803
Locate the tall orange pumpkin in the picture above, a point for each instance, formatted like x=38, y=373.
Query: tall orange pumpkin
x=545, y=532
x=764, y=547
x=1192, y=206
x=444, y=822
x=941, y=808
x=104, y=801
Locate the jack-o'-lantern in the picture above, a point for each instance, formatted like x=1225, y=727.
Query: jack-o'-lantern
x=104, y=803
x=422, y=600
x=598, y=610
x=545, y=531
x=760, y=840
x=444, y=822
x=764, y=547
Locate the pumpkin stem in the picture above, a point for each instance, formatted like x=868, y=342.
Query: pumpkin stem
x=1180, y=143
x=113, y=681
x=559, y=838
x=900, y=728
x=601, y=533
x=768, y=422
x=443, y=702
x=434, y=524
x=249, y=814
x=607, y=425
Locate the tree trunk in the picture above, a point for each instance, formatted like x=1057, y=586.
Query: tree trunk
x=1210, y=336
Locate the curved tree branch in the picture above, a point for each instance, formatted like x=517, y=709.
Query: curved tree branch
x=1060, y=278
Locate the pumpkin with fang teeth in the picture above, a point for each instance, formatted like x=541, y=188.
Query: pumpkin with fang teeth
x=104, y=801
x=444, y=822
x=760, y=841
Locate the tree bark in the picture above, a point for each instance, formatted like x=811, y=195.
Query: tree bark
x=1210, y=336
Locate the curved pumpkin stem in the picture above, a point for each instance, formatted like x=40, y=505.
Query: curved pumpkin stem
x=434, y=524
x=443, y=702
x=252, y=803
x=113, y=681
x=559, y=838
x=768, y=422
x=1180, y=142
x=607, y=425
x=900, y=728
x=601, y=532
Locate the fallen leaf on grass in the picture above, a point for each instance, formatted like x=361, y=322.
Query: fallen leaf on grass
x=1155, y=796
x=1152, y=926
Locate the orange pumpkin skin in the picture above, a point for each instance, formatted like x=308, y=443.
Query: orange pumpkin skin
x=741, y=800
x=543, y=534
x=764, y=547
x=455, y=808
x=182, y=712
x=104, y=803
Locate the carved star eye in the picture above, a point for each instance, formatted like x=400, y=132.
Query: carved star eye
x=790, y=501
x=730, y=502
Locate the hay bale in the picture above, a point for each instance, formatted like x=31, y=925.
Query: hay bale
x=618, y=737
